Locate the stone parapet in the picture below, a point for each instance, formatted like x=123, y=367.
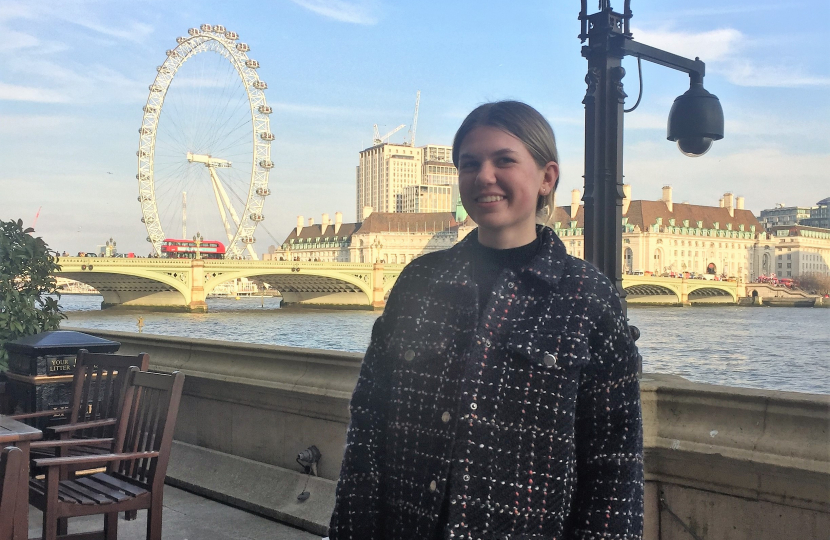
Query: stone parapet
x=721, y=463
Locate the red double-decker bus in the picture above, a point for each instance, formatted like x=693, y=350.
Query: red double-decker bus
x=172, y=248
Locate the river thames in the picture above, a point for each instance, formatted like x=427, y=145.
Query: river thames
x=771, y=348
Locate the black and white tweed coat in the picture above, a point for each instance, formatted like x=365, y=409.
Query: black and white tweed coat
x=527, y=417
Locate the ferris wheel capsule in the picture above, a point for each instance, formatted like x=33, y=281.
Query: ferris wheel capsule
x=242, y=47
x=260, y=85
x=193, y=31
x=219, y=29
x=155, y=88
x=248, y=240
x=263, y=191
x=171, y=53
x=266, y=164
x=145, y=130
x=266, y=136
x=265, y=109
x=148, y=220
x=143, y=198
x=257, y=217
x=149, y=109
x=181, y=40
x=206, y=27
x=141, y=153
x=163, y=69
x=253, y=64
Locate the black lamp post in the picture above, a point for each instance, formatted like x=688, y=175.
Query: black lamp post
x=695, y=120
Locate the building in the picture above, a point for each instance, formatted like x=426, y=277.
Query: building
x=386, y=170
x=819, y=215
x=385, y=237
x=663, y=237
x=809, y=216
x=801, y=250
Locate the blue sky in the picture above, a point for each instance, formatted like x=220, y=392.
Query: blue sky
x=74, y=77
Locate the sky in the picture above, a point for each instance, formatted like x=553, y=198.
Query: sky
x=74, y=76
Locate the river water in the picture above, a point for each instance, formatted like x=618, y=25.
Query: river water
x=771, y=348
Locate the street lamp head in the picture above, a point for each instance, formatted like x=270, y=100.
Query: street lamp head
x=695, y=121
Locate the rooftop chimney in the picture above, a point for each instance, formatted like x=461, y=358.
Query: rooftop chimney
x=729, y=203
x=574, y=203
x=667, y=198
x=300, y=221
x=324, y=223
x=720, y=202
x=367, y=211
x=626, y=198
x=739, y=203
x=310, y=221
x=338, y=221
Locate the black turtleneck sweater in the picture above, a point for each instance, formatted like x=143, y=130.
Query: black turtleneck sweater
x=488, y=263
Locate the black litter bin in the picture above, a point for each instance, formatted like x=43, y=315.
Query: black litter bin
x=41, y=367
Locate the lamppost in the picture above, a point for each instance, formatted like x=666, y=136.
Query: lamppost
x=695, y=120
x=198, y=239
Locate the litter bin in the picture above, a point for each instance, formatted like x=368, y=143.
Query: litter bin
x=41, y=367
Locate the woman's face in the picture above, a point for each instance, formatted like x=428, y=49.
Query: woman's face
x=500, y=182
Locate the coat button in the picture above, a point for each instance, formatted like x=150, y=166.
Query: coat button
x=445, y=417
x=433, y=486
x=549, y=360
x=409, y=355
x=466, y=477
x=473, y=406
x=510, y=285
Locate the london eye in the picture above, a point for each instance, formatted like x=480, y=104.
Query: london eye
x=204, y=154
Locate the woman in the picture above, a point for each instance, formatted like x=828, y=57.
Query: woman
x=499, y=397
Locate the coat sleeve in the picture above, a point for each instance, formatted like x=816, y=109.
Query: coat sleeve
x=358, y=498
x=608, y=502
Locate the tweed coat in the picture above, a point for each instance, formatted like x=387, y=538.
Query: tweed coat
x=527, y=417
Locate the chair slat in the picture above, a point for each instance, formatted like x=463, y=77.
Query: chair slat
x=74, y=486
x=113, y=482
x=104, y=489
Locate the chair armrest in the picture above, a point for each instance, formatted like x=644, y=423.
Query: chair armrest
x=69, y=428
x=70, y=442
x=88, y=460
x=39, y=414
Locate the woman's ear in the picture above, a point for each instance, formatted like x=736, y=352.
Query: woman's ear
x=551, y=177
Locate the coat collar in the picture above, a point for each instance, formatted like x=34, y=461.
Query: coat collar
x=547, y=266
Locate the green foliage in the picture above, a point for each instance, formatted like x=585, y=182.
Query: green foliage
x=814, y=282
x=27, y=266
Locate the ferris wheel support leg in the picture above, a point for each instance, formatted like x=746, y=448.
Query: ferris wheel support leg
x=223, y=215
x=252, y=252
x=225, y=197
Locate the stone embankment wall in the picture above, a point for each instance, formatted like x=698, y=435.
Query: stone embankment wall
x=721, y=463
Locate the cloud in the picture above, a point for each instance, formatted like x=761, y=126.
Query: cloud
x=355, y=11
x=727, y=52
x=13, y=92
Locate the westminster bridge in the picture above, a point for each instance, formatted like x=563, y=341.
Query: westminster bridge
x=183, y=284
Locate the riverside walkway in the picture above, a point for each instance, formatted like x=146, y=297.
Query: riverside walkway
x=189, y=517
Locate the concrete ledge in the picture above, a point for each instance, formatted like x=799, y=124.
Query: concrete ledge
x=262, y=489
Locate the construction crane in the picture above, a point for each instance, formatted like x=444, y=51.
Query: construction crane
x=379, y=140
x=414, y=120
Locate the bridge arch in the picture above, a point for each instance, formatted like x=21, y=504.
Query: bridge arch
x=125, y=287
x=308, y=285
x=711, y=292
x=651, y=292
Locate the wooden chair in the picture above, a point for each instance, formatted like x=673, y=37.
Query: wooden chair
x=11, y=464
x=136, y=466
x=98, y=384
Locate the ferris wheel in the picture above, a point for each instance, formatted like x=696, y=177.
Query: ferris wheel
x=205, y=143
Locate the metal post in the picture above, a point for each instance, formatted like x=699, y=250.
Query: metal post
x=604, y=100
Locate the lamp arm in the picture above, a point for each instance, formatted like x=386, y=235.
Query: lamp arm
x=695, y=68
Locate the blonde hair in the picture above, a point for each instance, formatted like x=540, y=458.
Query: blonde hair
x=526, y=124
